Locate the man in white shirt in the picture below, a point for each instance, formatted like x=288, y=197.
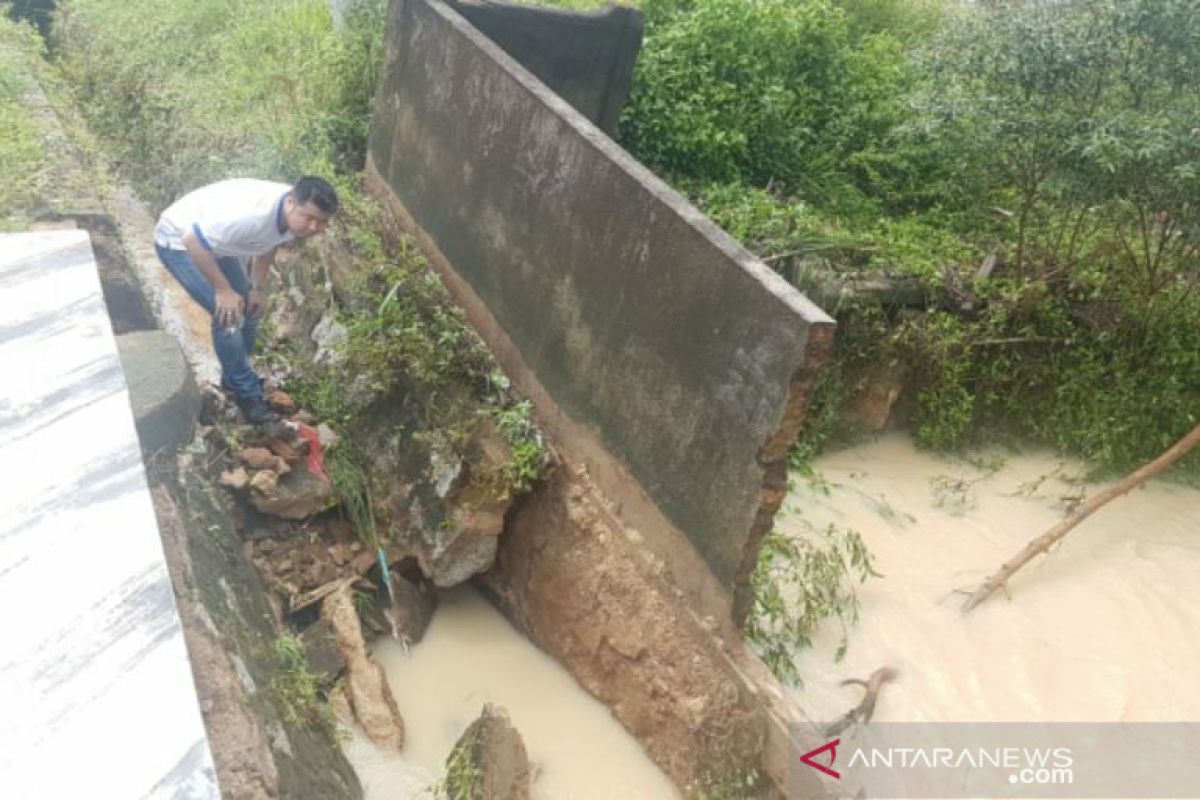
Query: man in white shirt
x=203, y=239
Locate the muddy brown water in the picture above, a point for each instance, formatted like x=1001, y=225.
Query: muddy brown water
x=1104, y=629
x=471, y=656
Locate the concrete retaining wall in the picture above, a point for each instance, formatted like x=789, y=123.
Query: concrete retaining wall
x=647, y=326
x=586, y=58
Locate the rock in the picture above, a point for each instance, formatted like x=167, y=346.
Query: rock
x=281, y=402
x=342, y=531
x=235, y=479
x=408, y=617
x=341, y=706
x=363, y=562
x=873, y=406
x=330, y=337
x=463, y=557
x=325, y=659
x=414, y=607
x=326, y=436
x=289, y=453
x=493, y=747
x=212, y=406
x=262, y=458
x=297, y=495
x=265, y=482
x=366, y=685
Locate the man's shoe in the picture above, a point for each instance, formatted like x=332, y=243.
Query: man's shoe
x=255, y=410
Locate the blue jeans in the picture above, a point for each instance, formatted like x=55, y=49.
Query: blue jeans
x=233, y=346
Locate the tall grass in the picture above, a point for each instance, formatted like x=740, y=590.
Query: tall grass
x=22, y=159
x=187, y=92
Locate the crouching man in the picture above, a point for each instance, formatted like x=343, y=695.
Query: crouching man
x=205, y=237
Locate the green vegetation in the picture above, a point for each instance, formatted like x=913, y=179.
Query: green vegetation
x=352, y=488
x=916, y=139
x=798, y=584
x=296, y=691
x=463, y=780
x=22, y=160
x=516, y=426
x=403, y=331
x=742, y=784
x=920, y=140
x=184, y=93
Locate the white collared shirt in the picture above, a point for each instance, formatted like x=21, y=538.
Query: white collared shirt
x=240, y=217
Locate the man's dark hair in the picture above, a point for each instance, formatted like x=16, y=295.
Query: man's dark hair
x=318, y=191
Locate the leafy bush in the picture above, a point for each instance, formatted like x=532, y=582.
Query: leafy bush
x=769, y=92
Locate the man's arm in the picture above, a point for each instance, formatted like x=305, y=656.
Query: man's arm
x=228, y=302
x=257, y=304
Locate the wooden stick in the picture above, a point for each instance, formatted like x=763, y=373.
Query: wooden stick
x=305, y=600
x=1044, y=542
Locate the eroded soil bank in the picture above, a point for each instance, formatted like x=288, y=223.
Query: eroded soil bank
x=1104, y=629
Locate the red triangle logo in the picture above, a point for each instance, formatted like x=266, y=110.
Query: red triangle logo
x=807, y=758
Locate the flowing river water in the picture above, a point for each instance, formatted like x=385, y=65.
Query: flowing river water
x=1107, y=628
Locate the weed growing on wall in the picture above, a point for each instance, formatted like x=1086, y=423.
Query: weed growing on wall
x=295, y=690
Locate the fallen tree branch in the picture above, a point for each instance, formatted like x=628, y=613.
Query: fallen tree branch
x=1044, y=542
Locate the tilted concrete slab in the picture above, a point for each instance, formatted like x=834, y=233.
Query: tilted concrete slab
x=95, y=683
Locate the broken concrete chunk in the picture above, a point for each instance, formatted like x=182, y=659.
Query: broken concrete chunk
x=290, y=453
x=494, y=748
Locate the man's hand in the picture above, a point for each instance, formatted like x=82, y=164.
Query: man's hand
x=256, y=303
x=229, y=308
